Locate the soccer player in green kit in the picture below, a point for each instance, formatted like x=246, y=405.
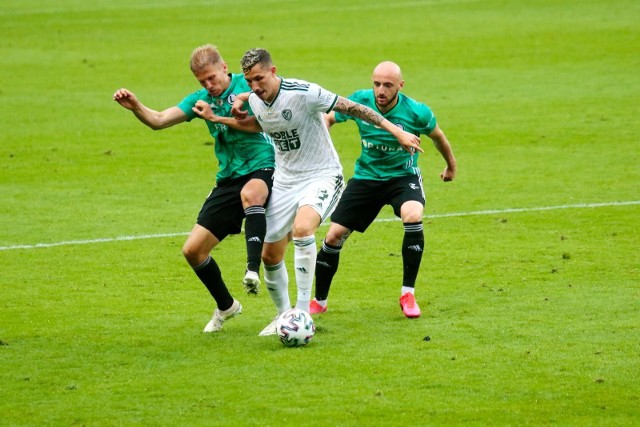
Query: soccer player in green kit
x=243, y=182
x=385, y=174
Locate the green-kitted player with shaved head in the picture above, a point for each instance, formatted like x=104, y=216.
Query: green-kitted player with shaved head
x=385, y=174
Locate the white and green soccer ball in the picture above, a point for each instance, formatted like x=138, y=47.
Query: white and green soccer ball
x=295, y=327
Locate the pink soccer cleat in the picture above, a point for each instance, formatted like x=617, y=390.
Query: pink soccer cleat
x=409, y=305
x=315, y=308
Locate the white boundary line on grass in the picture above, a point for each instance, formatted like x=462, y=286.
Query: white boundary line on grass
x=446, y=215
x=518, y=210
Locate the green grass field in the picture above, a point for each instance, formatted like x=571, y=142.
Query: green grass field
x=530, y=288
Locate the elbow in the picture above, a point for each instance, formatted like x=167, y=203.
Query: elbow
x=157, y=126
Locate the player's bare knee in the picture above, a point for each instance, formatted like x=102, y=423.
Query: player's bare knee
x=411, y=211
x=302, y=230
x=270, y=259
x=188, y=253
x=412, y=215
x=248, y=198
x=337, y=238
x=253, y=196
x=192, y=254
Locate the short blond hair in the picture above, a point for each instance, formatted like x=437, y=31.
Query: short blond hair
x=204, y=55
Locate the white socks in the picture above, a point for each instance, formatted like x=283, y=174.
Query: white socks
x=305, y=264
x=277, y=280
x=276, y=277
x=406, y=289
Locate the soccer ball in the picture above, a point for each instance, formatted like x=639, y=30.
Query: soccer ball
x=295, y=327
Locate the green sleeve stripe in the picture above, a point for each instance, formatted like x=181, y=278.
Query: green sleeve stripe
x=333, y=104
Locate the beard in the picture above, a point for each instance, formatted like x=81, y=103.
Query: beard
x=389, y=101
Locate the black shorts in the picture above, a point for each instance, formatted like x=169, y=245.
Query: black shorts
x=363, y=199
x=222, y=213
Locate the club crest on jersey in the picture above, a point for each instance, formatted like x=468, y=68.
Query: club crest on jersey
x=399, y=125
x=286, y=114
x=231, y=98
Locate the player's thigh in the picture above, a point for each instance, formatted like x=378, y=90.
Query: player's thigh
x=280, y=212
x=359, y=205
x=322, y=195
x=257, y=189
x=404, y=190
x=222, y=212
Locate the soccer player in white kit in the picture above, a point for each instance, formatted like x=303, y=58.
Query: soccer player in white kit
x=308, y=179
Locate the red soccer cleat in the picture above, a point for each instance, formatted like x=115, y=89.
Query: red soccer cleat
x=315, y=308
x=409, y=305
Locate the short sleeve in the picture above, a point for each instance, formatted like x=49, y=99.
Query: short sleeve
x=427, y=120
x=187, y=104
x=320, y=99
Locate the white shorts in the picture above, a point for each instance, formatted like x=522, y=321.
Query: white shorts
x=322, y=194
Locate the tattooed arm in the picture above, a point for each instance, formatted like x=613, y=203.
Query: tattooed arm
x=409, y=141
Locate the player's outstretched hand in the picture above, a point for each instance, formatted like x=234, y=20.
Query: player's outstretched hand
x=410, y=142
x=126, y=98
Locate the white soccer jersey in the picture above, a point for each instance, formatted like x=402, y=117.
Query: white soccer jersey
x=295, y=122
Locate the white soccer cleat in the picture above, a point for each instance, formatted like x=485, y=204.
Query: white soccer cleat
x=270, y=329
x=219, y=317
x=251, y=282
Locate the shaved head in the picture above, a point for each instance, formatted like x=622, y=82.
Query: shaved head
x=389, y=69
x=387, y=82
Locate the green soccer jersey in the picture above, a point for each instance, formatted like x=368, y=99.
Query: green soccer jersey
x=382, y=156
x=238, y=153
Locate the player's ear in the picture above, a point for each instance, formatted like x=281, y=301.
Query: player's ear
x=401, y=85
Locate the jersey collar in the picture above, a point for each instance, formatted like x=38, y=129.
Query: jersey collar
x=269, y=104
x=391, y=109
